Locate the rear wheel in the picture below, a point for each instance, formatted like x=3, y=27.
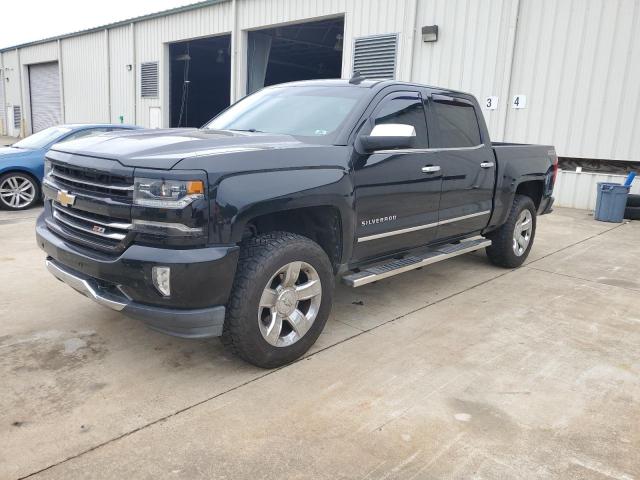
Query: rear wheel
x=280, y=300
x=18, y=191
x=512, y=242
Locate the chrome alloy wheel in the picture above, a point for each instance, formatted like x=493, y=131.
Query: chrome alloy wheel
x=17, y=191
x=289, y=304
x=522, y=232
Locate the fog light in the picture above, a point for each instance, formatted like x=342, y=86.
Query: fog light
x=162, y=279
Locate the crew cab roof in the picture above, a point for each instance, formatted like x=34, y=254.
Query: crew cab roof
x=372, y=84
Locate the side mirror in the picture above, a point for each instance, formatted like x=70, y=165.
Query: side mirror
x=389, y=136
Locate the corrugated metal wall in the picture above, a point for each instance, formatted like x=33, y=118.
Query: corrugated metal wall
x=12, y=77
x=152, y=37
x=578, y=62
x=122, y=80
x=579, y=190
x=86, y=78
x=472, y=52
x=40, y=53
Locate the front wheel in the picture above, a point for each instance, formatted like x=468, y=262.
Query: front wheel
x=512, y=242
x=280, y=301
x=18, y=191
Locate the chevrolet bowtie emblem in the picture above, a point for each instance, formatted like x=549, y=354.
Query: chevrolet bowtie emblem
x=65, y=198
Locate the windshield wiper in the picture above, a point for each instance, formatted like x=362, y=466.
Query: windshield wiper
x=252, y=130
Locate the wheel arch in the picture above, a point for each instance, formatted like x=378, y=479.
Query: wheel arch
x=321, y=223
x=531, y=188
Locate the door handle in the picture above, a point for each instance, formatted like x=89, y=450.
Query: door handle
x=487, y=164
x=431, y=169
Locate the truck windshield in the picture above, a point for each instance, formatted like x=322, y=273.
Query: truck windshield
x=304, y=111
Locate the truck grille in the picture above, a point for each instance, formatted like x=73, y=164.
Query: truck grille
x=71, y=178
x=91, y=223
x=100, y=217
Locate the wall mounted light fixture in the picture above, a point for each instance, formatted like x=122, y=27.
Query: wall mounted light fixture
x=430, y=33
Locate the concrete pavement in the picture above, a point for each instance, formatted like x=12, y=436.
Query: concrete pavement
x=459, y=370
x=7, y=140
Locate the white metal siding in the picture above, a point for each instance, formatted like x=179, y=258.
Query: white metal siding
x=579, y=64
x=40, y=53
x=3, y=105
x=579, y=189
x=122, y=80
x=44, y=89
x=471, y=53
x=152, y=37
x=85, y=78
x=12, y=72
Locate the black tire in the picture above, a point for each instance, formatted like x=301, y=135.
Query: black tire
x=632, y=213
x=6, y=199
x=261, y=257
x=502, y=252
x=633, y=200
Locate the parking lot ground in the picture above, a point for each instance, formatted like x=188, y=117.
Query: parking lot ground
x=7, y=140
x=459, y=370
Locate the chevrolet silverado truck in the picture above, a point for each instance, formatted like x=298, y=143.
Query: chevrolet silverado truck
x=240, y=229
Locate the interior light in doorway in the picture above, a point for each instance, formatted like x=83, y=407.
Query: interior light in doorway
x=338, y=46
x=220, y=58
x=430, y=33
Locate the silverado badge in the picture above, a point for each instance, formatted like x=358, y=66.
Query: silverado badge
x=65, y=198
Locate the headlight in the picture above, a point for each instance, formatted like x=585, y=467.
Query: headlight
x=158, y=193
x=47, y=168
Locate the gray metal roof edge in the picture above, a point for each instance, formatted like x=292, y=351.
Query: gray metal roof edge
x=141, y=18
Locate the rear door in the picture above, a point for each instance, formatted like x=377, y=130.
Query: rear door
x=397, y=191
x=467, y=163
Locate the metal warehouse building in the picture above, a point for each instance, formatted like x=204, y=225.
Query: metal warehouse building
x=565, y=72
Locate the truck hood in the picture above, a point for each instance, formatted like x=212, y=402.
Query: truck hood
x=163, y=149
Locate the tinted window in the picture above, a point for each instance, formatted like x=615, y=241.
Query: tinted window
x=457, y=125
x=406, y=109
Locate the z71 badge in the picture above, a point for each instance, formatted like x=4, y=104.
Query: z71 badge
x=373, y=221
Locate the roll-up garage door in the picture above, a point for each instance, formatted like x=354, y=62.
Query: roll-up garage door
x=44, y=87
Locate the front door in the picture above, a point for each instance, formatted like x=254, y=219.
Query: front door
x=467, y=163
x=397, y=191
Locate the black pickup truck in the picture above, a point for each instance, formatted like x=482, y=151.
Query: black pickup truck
x=240, y=229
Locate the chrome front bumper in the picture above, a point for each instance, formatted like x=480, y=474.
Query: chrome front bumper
x=86, y=287
x=186, y=323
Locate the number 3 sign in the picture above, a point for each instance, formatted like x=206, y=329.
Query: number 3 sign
x=491, y=103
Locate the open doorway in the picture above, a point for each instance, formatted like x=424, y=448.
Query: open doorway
x=200, y=80
x=302, y=51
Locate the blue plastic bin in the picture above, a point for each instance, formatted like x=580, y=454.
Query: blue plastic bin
x=610, y=202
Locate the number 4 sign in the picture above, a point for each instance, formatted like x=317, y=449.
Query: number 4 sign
x=519, y=101
x=491, y=103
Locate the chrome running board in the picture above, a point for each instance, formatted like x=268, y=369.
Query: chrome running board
x=394, y=267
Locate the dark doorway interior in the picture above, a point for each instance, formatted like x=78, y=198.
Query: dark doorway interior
x=301, y=51
x=200, y=79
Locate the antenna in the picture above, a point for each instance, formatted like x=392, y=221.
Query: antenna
x=356, y=79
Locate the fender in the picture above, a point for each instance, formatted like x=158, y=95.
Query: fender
x=243, y=197
x=509, y=176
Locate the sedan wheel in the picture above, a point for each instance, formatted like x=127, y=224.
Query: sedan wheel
x=17, y=191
